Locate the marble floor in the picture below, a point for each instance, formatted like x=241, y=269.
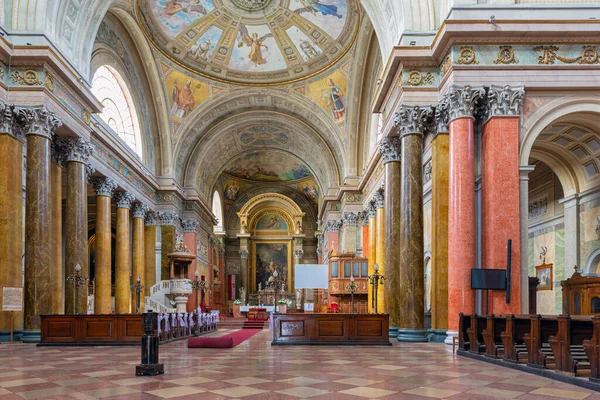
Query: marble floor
x=255, y=370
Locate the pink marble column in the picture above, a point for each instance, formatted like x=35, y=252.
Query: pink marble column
x=500, y=192
x=190, y=231
x=463, y=103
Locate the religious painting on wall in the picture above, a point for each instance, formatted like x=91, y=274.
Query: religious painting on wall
x=309, y=188
x=330, y=94
x=185, y=94
x=231, y=190
x=270, y=257
x=272, y=222
x=544, y=274
x=269, y=166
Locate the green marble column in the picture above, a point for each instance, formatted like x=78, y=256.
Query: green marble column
x=78, y=151
x=412, y=122
x=389, y=148
x=39, y=125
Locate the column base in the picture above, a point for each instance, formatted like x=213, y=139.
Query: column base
x=31, y=336
x=393, y=332
x=5, y=336
x=450, y=335
x=412, y=335
x=437, y=335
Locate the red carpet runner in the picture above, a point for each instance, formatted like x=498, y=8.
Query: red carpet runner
x=227, y=341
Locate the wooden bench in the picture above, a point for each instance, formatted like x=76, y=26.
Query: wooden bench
x=475, y=332
x=491, y=336
x=513, y=338
x=567, y=345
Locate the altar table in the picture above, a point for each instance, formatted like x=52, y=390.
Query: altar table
x=245, y=309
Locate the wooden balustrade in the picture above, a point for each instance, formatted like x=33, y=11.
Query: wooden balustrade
x=569, y=345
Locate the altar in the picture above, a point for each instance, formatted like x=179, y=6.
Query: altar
x=245, y=309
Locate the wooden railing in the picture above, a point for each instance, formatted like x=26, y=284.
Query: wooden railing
x=569, y=345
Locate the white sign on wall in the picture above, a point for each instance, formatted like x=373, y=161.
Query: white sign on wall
x=12, y=299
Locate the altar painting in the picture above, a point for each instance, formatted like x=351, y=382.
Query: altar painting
x=270, y=257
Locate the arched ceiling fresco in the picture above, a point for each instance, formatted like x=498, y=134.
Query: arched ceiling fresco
x=266, y=166
x=251, y=42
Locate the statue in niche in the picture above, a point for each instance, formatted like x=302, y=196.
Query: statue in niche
x=244, y=228
x=298, y=228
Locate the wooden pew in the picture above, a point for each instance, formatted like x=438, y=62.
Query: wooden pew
x=491, y=336
x=464, y=323
x=592, y=350
x=513, y=340
x=567, y=344
x=539, y=354
x=475, y=332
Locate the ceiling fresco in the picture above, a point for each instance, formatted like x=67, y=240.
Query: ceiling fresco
x=267, y=166
x=252, y=42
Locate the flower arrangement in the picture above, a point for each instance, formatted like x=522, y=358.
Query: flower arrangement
x=237, y=302
x=282, y=301
x=172, y=303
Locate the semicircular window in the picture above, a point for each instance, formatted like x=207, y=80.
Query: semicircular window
x=119, y=111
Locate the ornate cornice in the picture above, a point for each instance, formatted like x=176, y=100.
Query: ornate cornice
x=190, y=225
x=104, y=186
x=37, y=121
x=379, y=198
x=442, y=116
x=123, y=199
x=151, y=219
x=139, y=210
x=465, y=101
x=411, y=120
x=244, y=254
x=334, y=225
x=168, y=218
x=370, y=209
x=350, y=219
x=77, y=149
x=389, y=148
x=505, y=101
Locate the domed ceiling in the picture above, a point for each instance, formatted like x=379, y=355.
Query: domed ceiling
x=251, y=42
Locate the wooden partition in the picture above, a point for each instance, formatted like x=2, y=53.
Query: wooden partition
x=92, y=329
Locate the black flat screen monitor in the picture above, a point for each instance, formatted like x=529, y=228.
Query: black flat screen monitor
x=488, y=279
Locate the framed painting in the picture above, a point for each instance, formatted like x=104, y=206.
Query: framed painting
x=270, y=256
x=544, y=274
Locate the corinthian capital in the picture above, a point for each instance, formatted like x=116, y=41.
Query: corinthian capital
x=389, y=147
x=370, y=209
x=244, y=254
x=123, y=199
x=139, y=210
x=169, y=218
x=442, y=115
x=8, y=122
x=379, y=198
x=465, y=101
x=37, y=121
x=505, y=100
x=77, y=149
x=190, y=225
x=334, y=225
x=412, y=120
x=349, y=218
x=151, y=219
x=104, y=186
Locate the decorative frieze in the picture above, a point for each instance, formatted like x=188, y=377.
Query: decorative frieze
x=506, y=55
x=350, y=219
x=77, y=149
x=151, y=219
x=538, y=207
x=169, y=218
x=589, y=55
x=465, y=101
x=190, y=225
x=412, y=120
x=139, y=210
x=389, y=148
x=505, y=100
x=244, y=254
x=104, y=186
x=123, y=199
x=417, y=78
x=37, y=121
x=467, y=56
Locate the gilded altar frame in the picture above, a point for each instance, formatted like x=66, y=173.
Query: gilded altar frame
x=290, y=279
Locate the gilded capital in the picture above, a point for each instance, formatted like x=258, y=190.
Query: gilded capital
x=412, y=120
x=37, y=121
x=389, y=147
x=465, y=101
x=104, y=186
x=190, y=225
x=505, y=100
x=123, y=199
x=77, y=149
x=139, y=210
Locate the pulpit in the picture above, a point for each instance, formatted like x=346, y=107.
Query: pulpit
x=180, y=285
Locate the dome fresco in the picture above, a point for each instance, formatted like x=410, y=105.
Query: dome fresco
x=251, y=42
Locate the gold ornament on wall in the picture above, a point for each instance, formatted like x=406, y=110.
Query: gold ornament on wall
x=506, y=55
x=29, y=78
x=466, y=56
x=589, y=55
x=446, y=65
x=86, y=117
x=49, y=82
x=415, y=78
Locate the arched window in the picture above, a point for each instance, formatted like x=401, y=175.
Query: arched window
x=217, y=210
x=119, y=112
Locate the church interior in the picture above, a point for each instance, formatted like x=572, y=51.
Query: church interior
x=284, y=199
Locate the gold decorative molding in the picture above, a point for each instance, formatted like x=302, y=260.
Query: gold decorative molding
x=86, y=117
x=466, y=56
x=446, y=65
x=29, y=78
x=506, y=55
x=49, y=82
x=589, y=55
x=416, y=78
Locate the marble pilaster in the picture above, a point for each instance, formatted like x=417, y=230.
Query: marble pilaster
x=123, y=253
x=168, y=237
x=11, y=213
x=348, y=240
x=78, y=151
x=523, y=222
x=412, y=123
x=138, y=267
x=57, y=273
x=104, y=188
x=371, y=254
x=150, y=251
x=380, y=246
x=390, y=151
x=464, y=103
x=190, y=231
x=39, y=125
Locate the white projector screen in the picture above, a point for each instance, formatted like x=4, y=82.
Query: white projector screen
x=311, y=276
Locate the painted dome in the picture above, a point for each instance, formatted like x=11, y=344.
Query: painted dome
x=251, y=41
